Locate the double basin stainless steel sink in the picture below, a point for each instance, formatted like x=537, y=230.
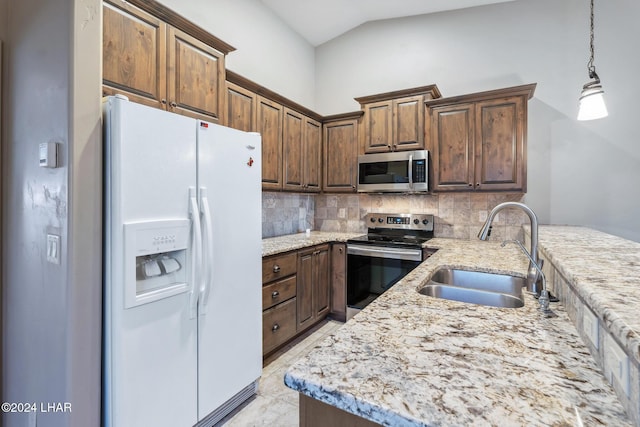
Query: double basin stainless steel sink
x=476, y=287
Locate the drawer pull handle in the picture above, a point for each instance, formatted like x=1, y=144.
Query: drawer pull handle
x=275, y=294
x=275, y=327
x=276, y=268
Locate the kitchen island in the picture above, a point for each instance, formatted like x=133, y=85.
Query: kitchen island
x=413, y=360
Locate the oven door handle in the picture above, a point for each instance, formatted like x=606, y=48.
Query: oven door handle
x=385, y=252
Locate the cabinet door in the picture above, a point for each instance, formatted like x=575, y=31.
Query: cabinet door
x=312, y=155
x=269, y=116
x=304, y=294
x=292, y=144
x=134, y=54
x=241, y=108
x=408, y=119
x=339, y=281
x=499, y=144
x=322, y=284
x=452, y=132
x=340, y=156
x=378, y=127
x=195, y=77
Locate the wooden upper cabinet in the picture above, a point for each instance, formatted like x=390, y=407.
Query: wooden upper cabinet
x=500, y=144
x=301, y=152
x=165, y=62
x=134, y=52
x=312, y=155
x=408, y=115
x=378, y=124
x=293, y=148
x=452, y=147
x=269, y=125
x=478, y=141
x=196, y=78
x=394, y=121
x=242, y=108
x=340, y=154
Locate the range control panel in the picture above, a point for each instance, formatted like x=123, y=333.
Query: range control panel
x=400, y=221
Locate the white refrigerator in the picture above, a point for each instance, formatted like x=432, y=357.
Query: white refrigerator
x=182, y=276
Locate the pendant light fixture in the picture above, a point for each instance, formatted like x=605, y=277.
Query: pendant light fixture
x=591, y=102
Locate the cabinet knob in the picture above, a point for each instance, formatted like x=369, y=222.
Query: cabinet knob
x=173, y=104
x=340, y=249
x=276, y=268
x=477, y=184
x=275, y=327
x=275, y=294
x=163, y=101
x=470, y=185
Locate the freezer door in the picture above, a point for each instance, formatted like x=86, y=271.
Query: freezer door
x=230, y=312
x=150, y=352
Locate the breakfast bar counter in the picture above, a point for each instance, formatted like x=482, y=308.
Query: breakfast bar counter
x=412, y=360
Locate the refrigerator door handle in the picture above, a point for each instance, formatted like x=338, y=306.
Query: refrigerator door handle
x=207, y=253
x=196, y=252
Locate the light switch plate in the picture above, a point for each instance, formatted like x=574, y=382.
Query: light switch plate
x=616, y=364
x=590, y=327
x=53, y=248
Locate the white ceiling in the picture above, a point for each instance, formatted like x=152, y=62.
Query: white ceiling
x=320, y=21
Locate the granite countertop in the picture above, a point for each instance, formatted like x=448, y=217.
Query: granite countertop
x=590, y=259
x=412, y=360
x=290, y=242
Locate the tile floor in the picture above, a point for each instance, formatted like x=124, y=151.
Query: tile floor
x=275, y=403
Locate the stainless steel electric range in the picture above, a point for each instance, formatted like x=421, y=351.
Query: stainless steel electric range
x=392, y=247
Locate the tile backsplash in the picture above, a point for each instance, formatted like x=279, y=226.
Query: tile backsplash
x=286, y=213
x=457, y=215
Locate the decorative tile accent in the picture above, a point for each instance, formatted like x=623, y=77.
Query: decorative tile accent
x=287, y=213
x=456, y=215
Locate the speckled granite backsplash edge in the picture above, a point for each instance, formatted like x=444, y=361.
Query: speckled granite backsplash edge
x=456, y=215
x=583, y=269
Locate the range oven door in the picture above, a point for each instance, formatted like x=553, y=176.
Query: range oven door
x=371, y=270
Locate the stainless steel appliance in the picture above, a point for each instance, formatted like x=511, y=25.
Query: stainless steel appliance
x=405, y=172
x=392, y=247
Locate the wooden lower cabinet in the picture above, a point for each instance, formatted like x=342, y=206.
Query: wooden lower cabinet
x=314, y=413
x=313, y=286
x=278, y=325
x=296, y=294
x=339, y=281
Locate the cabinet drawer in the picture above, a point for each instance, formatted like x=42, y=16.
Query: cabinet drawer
x=279, y=291
x=278, y=266
x=278, y=325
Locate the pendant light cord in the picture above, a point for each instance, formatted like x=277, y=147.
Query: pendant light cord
x=590, y=66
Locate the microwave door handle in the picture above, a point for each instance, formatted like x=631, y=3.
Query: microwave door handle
x=411, y=171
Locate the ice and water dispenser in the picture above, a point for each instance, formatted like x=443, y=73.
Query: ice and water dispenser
x=155, y=260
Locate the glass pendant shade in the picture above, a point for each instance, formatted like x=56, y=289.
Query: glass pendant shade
x=591, y=103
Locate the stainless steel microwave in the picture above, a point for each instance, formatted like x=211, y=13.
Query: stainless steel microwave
x=400, y=172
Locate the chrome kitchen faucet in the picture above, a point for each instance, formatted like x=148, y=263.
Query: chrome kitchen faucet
x=534, y=265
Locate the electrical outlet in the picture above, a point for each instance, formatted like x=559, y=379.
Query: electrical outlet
x=590, y=327
x=616, y=364
x=53, y=248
